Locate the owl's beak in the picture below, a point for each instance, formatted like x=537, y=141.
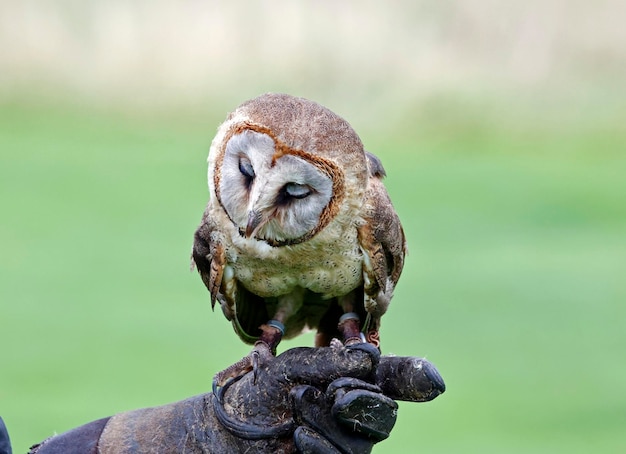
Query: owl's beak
x=254, y=222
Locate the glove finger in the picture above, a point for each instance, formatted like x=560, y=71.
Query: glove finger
x=312, y=409
x=310, y=442
x=409, y=378
x=320, y=366
x=366, y=412
x=344, y=384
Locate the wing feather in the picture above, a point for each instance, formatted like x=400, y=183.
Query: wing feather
x=245, y=310
x=382, y=239
x=209, y=257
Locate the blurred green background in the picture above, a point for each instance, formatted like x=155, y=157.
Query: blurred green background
x=502, y=129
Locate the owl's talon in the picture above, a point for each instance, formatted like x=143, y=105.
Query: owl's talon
x=234, y=371
x=373, y=337
x=260, y=352
x=353, y=341
x=251, y=363
x=255, y=365
x=336, y=343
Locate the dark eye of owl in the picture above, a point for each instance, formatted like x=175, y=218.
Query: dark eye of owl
x=292, y=191
x=297, y=191
x=245, y=167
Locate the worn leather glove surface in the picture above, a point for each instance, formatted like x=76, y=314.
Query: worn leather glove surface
x=5, y=442
x=310, y=400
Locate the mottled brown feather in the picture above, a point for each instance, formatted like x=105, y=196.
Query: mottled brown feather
x=209, y=258
x=382, y=238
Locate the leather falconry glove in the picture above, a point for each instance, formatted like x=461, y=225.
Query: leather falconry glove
x=308, y=400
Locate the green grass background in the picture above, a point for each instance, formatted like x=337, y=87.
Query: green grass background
x=514, y=285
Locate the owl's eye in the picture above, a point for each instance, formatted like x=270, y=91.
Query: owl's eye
x=297, y=191
x=245, y=167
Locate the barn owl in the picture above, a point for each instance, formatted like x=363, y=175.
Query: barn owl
x=299, y=231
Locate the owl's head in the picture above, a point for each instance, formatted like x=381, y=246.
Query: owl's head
x=283, y=168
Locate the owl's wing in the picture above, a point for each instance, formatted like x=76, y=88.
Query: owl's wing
x=382, y=240
x=208, y=256
x=245, y=310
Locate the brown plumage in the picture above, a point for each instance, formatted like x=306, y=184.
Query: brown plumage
x=299, y=229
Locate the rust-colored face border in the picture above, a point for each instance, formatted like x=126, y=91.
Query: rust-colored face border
x=281, y=149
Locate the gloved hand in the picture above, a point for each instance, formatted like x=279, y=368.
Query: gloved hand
x=310, y=400
x=5, y=442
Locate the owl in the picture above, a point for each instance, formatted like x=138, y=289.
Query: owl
x=299, y=232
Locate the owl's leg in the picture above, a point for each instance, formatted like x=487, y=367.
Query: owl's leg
x=271, y=334
x=273, y=331
x=349, y=322
x=263, y=350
